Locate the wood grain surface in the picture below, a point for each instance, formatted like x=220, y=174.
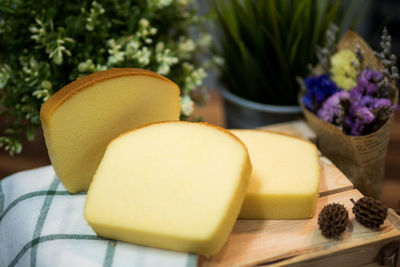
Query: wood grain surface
x=261, y=241
x=299, y=242
x=277, y=242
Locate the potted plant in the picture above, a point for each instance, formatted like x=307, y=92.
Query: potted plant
x=263, y=46
x=45, y=44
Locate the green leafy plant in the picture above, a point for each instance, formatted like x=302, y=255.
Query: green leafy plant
x=46, y=44
x=264, y=45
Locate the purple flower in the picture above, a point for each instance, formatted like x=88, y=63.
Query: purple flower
x=368, y=81
x=332, y=109
x=358, y=112
x=356, y=94
x=380, y=103
x=364, y=115
x=383, y=108
x=358, y=120
x=372, y=103
x=366, y=112
x=319, y=88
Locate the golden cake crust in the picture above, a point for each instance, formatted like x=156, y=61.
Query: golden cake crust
x=79, y=84
x=283, y=134
x=277, y=133
x=257, y=202
x=187, y=122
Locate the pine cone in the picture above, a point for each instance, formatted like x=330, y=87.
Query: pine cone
x=370, y=212
x=333, y=220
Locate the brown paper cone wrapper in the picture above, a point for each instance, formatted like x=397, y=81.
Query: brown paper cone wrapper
x=361, y=158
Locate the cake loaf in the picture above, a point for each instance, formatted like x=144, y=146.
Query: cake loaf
x=83, y=117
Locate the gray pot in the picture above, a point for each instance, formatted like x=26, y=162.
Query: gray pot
x=242, y=113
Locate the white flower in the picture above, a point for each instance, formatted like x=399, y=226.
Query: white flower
x=187, y=105
x=89, y=24
x=143, y=56
x=96, y=7
x=219, y=61
x=186, y=46
x=116, y=55
x=183, y=2
x=165, y=58
x=99, y=67
x=160, y=47
x=205, y=40
x=165, y=64
x=163, y=69
x=187, y=67
x=131, y=48
x=145, y=31
x=161, y=3
x=46, y=84
x=89, y=66
x=194, y=79
x=153, y=31
x=144, y=23
x=85, y=66
x=186, y=15
x=165, y=3
x=95, y=11
x=111, y=43
x=115, y=58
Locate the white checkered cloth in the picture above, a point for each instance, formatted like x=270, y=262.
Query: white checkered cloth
x=42, y=225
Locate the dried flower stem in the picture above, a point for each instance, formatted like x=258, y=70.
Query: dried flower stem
x=324, y=53
x=386, y=88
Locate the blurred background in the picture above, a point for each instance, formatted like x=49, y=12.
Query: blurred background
x=379, y=14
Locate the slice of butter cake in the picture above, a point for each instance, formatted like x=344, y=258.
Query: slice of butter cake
x=171, y=185
x=83, y=117
x=285, y=179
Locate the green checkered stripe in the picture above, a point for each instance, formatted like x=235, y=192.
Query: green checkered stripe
x=47, y=200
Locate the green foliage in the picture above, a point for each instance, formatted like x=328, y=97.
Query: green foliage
x=46, y=44
x=265, y=44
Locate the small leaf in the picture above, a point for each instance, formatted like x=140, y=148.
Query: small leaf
x=30, y=133
x=17, y=148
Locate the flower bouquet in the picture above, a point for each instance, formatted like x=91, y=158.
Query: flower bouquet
x=350, y=101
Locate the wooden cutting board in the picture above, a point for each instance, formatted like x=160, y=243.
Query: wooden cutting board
x=299, y=242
